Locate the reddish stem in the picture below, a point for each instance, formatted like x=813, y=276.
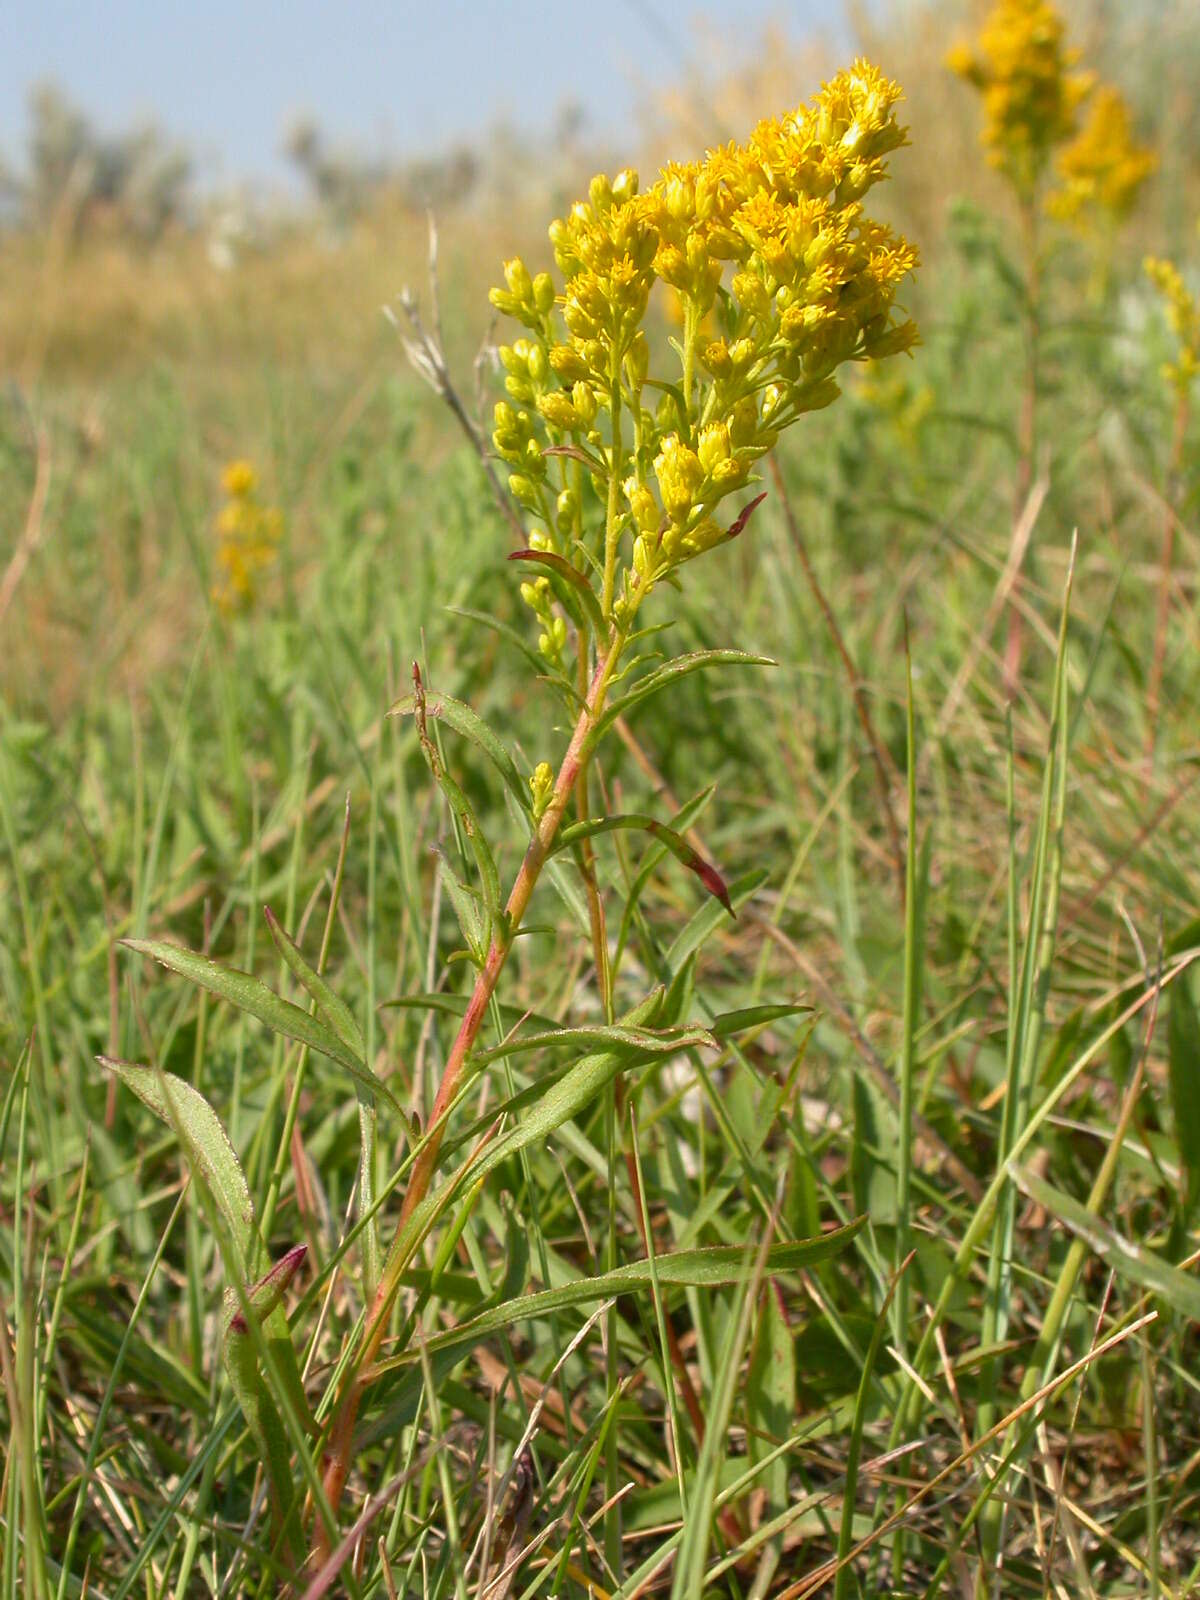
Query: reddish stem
x=341, y=1441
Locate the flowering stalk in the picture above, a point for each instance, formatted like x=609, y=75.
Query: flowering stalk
x=589, y=424
x=1032, y=93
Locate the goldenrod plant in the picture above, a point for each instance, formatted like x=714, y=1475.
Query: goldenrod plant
x=248, y=534
x=1033, y=91
x=629, y=461
x=1102, y=171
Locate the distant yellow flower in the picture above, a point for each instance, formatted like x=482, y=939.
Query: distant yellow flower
x=1031, y=92
x=239, y=478
x=248, y=535
x=775, y=275
x=1183, y=318
x=1104, y=166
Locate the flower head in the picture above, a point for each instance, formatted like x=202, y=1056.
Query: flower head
x=776, y=276
x=248, y=535
x=1031, y=90
x=1104, y=166
x=1183, y=318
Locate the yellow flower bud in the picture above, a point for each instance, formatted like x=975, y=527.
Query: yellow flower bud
x=680, y=474
x=541, y=782
x=567, y=363
x=713, y=446
x=523, y=490
x=625, y=185
x=715, y=357
x=543, y=293
x=583, y=398
x=559, y=412
x=516, y=275
x=643, y=505
x=566, y=511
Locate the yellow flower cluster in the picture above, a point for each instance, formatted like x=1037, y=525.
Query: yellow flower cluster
x=1104, y=166
x=1183, y=317
x=1031, y=94
x=779, y=276
x=248, y=535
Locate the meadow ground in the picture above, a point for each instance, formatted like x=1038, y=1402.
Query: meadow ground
x=991, y=914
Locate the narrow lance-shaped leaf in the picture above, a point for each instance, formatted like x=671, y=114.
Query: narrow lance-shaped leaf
x=1128, y=1260
x=205, y=1142
x=330, y=1006
x=250, y=994
x=261, y=1300
x=715, y=1267
x=455, y=714
x=488, y=876
x=667, y=674
x=675, y=843
x=642, y=1041
x=1183, y=1063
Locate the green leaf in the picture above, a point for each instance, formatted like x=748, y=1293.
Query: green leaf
x=489, y=878
x=709, y=917
x=1183, y=1063
x=1127, y=1259
x=455, y=1005
x=771, y=1394
x=252, y=995
x=659, y=679
x=455, y=714
x=205, y=1141
x=334, y=1010
x=675, y=843
x=731, y=1022
x=641, y=1041
x=715, y=1267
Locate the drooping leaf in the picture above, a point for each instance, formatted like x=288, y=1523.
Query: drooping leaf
x=675, y=843
x=714, y=1267
x=205, y=1141
x=250, y=994
x=330, y=1006
x=1129, y=1260
x=575, y=581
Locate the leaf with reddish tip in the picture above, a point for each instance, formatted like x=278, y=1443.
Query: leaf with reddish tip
x=571, y=575
x=269, y=1290
x=675, y=843
x=744, y=515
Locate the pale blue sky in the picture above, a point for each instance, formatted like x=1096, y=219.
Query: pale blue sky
x=227, y=78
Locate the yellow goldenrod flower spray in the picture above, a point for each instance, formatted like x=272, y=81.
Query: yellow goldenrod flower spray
x=1032, y=93
x=624, y=465
x=1183, y=319
x=248, y=535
